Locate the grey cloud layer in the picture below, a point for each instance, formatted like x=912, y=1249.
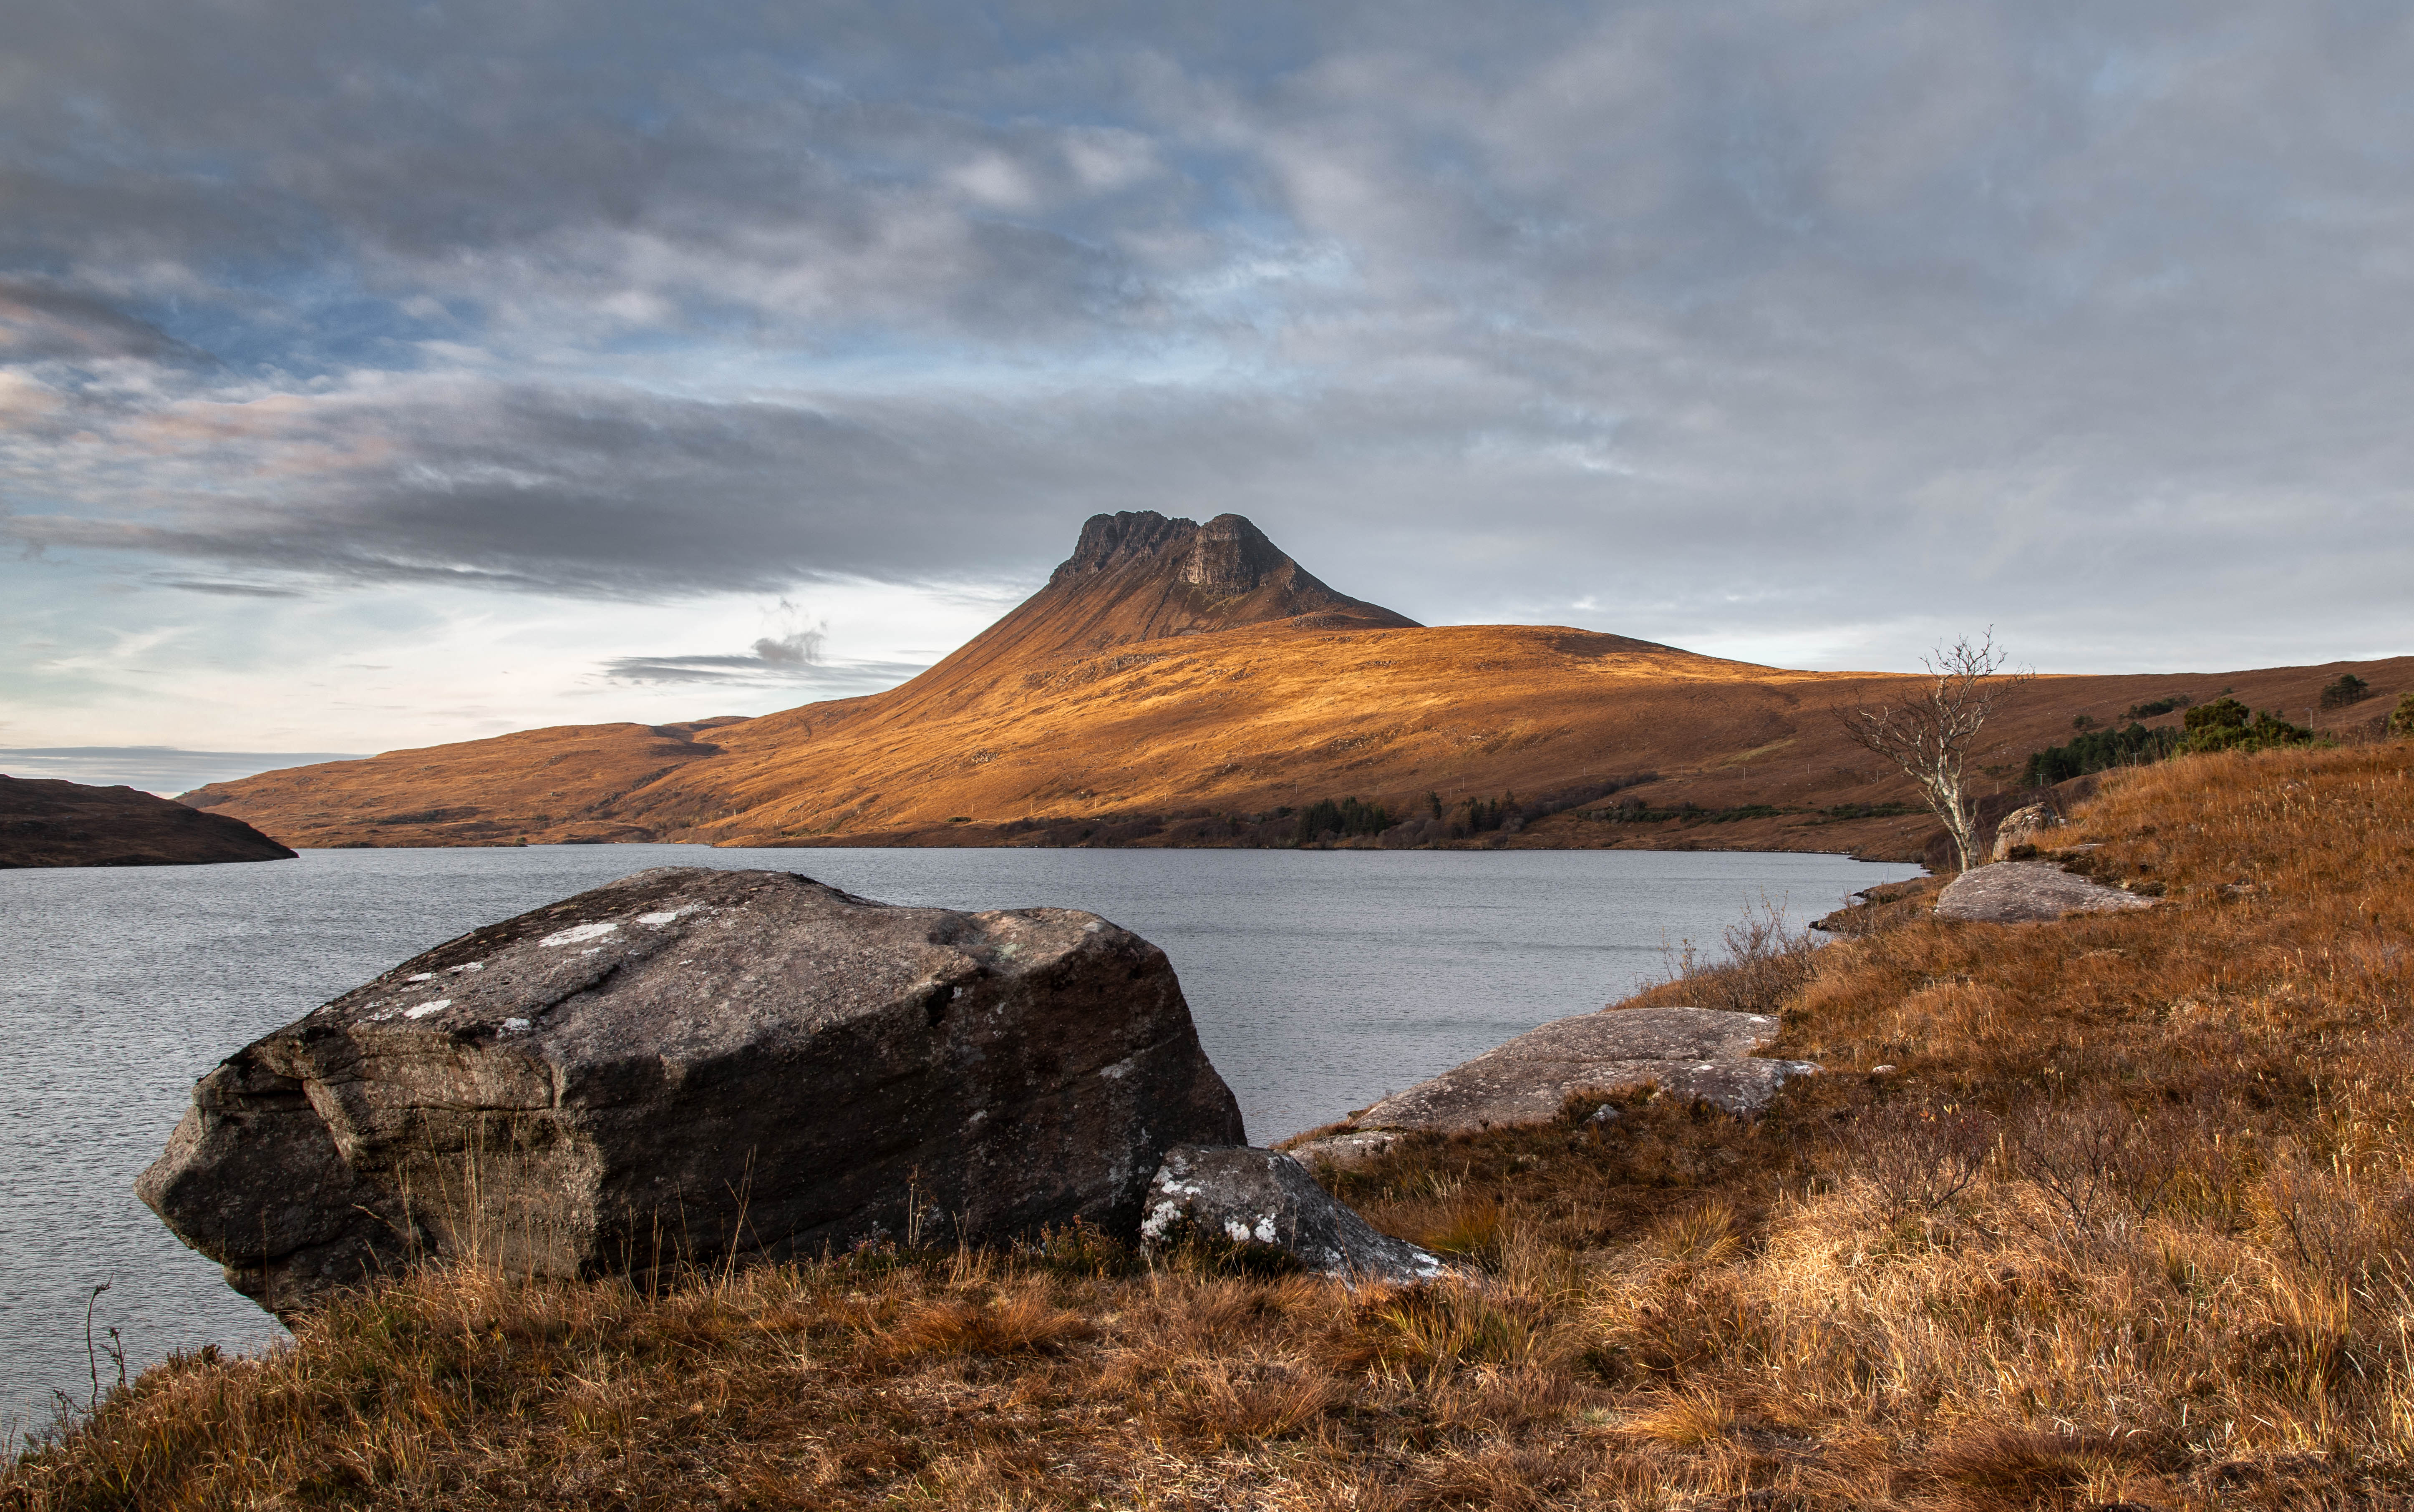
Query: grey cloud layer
x=1752, y=316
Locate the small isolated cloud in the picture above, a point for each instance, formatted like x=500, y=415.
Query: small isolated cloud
x=231, y=590
x=799, y=650
x=789, y=660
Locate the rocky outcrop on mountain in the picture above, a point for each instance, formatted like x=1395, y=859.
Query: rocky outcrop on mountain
x=689, y=1064
x=1264, y=1198
x=1140, y=576
x=1704, y=1053
x=2028, y=891
x=45, y=822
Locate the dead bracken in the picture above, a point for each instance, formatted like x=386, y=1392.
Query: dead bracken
x=2123, y=1221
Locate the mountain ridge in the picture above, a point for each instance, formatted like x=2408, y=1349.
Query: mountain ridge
x=1175, y=683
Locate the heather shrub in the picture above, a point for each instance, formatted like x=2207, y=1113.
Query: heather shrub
x=2225, y=724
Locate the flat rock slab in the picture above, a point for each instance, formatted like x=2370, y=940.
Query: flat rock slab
x=1690, y=1052
x=1263, y=1197
x=692, y=1062
x=2028, y=891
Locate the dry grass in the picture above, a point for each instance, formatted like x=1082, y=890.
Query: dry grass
x=2126, y=1223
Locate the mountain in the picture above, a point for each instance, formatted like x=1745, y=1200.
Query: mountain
x=1183, y=684
x=45, y=822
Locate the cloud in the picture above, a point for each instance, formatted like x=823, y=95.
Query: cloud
x=1740, y=322
x=796, y=649
x=231, y=590
x=40, y=320
x=759, y=670
x=161, y=769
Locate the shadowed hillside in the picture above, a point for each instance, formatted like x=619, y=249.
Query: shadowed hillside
x=47, y=822
x=1177, y=684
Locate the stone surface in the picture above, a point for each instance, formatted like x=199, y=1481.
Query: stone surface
x=1690, y=1052
x=1262, y=1196
x=2021, y=827
x=45, y=822
x=689, y=1063
x=2027, y=892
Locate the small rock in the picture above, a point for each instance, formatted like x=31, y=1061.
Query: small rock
x=2021, y=827
x=1265, y=1197
x=2028, y=891
x=1346, y=1150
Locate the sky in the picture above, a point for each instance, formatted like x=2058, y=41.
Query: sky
x=378, y=375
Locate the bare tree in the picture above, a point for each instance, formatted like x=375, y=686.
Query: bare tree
x=1929, y=737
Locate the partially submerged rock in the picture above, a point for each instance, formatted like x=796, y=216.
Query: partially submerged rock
x=2028, y=891
x=1263, y=1197
x=1702, y=1053
x=689, y=1063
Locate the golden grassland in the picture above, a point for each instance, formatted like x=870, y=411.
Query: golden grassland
x=2109, y=1211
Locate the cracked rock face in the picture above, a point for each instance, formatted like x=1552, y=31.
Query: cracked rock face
x=1690, y=1052
x=1264, y=1197
x=2028, y=891
x=689, y=1063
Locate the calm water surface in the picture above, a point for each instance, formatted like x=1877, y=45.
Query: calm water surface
x=1320, y=981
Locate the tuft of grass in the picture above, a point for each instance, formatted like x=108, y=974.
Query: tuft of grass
x=2127, y=1222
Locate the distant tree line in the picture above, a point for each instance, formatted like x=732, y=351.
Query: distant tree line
x=1325, y=820
x=2224, y=724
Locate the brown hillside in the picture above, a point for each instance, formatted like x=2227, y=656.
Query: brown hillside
x=1173, y=680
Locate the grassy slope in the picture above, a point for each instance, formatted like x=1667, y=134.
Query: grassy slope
x=1239, y=721
x=2127, y=1220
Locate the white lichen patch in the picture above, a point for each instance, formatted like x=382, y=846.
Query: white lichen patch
x=466, y=966
x=427, y=1008
x=517, y=1026
x=1118, y=1070
x=1160, y=1221
x=1240, y=1232
x=658, y=920
x=420, y=976
x=578, y=934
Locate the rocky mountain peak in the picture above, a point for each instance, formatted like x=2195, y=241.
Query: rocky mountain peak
x=1139, y=575
x=1227, y=554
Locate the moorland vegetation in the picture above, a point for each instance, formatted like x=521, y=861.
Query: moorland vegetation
x=2114, y=1210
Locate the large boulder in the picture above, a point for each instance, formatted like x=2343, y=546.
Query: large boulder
x=1262, y=1197
x=1704, y=1053
x=688, y=1064
x=2028, y=891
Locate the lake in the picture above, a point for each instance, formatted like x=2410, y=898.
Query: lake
x=1320, y=981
